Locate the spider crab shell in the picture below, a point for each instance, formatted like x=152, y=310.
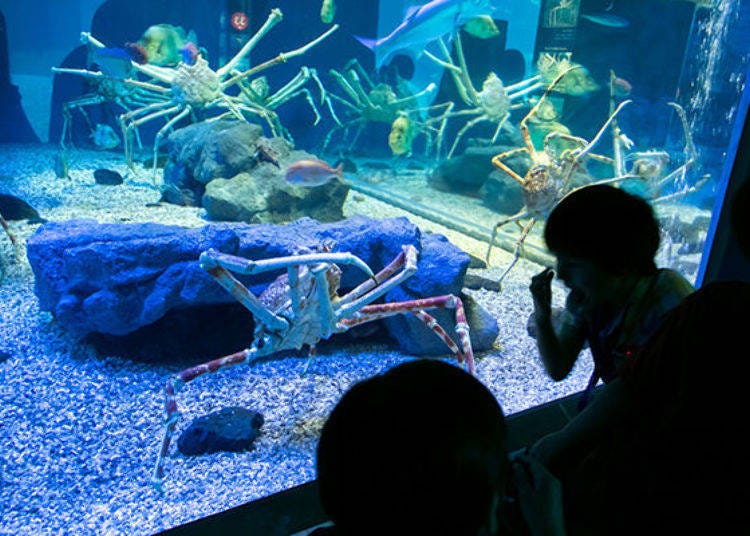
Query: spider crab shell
x=196, y=85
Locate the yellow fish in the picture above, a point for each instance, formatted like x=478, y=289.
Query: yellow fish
x=162, y=43
x=577, y=82
x=401, y=135
x=327, y=11
x=482, y=27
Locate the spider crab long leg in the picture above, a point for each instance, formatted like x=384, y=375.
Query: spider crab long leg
x=172, y=412
x=690, y=157
x=220, y=266
x=357, y=309
x=464, y=354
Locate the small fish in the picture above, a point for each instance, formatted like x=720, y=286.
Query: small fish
x=327, y=11
x=401, y=136
x=481, y=27
x=61, y=165
x=137, y=53
x=577, y=83
x=105, y=137
x=311, y=173
x=621, y=87
x=606, y=19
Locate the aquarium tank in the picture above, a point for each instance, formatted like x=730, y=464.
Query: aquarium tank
x=218, y=216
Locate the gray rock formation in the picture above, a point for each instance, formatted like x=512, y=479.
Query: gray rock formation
x=236, y=174
x=473, y=174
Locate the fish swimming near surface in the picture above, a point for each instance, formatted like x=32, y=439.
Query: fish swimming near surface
x=481, y=27
x=162, y=44
x=311, y=173
x=606, y=19
x=105, y=137
x=327, y=11
x=424, y=24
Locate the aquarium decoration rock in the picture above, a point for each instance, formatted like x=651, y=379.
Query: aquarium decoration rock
x=472, y=173
x=115, y=279
x=107, y=177
x=14, y=208
x=236, y=174
x=232, y=429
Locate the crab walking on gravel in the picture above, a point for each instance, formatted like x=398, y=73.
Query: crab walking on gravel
x=303, y=307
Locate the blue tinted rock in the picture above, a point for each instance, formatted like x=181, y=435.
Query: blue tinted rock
x=115, y=279
x=232, y=429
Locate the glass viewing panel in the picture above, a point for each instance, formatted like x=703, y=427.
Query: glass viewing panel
x=110, y=114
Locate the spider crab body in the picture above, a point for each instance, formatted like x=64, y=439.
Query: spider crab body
x=303, y=306
x=197, y=85
x=540, y=190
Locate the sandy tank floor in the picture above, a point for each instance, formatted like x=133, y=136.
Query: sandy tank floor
x=81, y=430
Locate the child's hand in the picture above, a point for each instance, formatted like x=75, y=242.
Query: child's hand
x=539, y=496
x=541, y=291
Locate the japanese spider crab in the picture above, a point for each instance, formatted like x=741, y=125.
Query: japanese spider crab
x=548, y=177
x=369, y=102
x=120, y=91
x=302, y=307
x=193, y=89
x=650, y=167
x=492, y=104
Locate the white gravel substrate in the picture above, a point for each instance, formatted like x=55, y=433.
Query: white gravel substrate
x=80, y=431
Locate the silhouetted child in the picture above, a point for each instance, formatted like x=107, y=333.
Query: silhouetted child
x=659, y=450
x=421, y=450
x=605, y=241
